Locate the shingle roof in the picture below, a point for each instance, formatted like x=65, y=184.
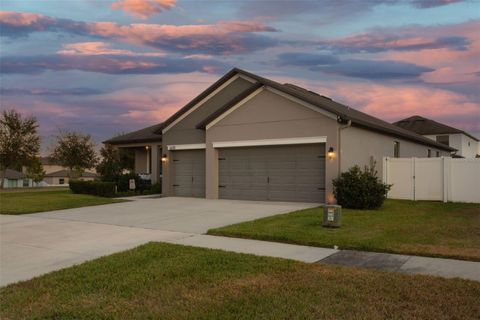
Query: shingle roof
x=13, y=174
x=65, y=173
x=344, y=112
x=425, y=126
x=47, y=161
x=143, y=135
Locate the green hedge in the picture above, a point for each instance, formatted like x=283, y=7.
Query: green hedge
x=96, y=188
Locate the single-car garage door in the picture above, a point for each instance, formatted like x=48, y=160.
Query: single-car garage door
x=189, y=173
x=279, y=173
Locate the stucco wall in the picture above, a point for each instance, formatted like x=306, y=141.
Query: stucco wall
x=270, y=116
x=360, y=147
x=185, y=131
x=460, y=142
x=140, y=160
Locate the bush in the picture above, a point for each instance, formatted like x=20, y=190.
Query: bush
x=96, y=188
x=360, y=189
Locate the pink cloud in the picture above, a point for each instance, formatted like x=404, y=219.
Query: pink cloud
x=143, y=8
x=102, y=48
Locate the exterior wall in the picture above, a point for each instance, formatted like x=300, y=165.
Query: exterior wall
x=17, y=183
x=270, y=116
x=54, y=181
x=185, y=131
x=461, y=142
x=49, y=168
x=141, y=160
x=361, y=147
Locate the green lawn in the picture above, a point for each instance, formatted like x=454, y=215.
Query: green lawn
x=41, y=200
x=418, y=228
x=164, y=281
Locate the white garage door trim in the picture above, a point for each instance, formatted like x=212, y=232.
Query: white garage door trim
x=269, y=142
x=192, y=146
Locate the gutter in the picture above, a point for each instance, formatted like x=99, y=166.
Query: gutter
x=344, y=123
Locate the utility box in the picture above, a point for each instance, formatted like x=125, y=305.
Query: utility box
x=332, y=215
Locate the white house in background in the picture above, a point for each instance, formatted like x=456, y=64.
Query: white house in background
x=467, y=145
x=57, y=175
x=16, y=179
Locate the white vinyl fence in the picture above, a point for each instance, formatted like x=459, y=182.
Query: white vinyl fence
x=444, y=179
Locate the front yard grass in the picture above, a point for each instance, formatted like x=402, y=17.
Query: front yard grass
x=450, y=230
x=41, y=200
x=165, y=281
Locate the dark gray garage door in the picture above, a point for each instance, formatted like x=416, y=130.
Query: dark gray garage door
x=189, y=173
x=280, y=173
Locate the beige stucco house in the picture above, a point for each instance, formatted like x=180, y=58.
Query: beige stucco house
x=248, y=137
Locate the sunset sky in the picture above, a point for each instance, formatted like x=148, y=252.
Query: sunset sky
x=106, y=67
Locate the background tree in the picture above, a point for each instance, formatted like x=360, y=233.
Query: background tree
x=35, y=170
x=76, y=151
x=19, y=141
x=110, y=166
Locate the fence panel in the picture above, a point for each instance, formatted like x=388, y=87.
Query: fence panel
x=444, y=179
x=428, y=178
x=400, y=172
x=464, y=180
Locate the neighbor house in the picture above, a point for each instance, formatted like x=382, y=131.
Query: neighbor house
x=16, y=179
x=57, y=175
x=467, y=146
x=248, y=137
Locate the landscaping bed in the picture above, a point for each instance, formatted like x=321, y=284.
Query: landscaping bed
x=450, y=230
x=47, y=200
x=177, y=282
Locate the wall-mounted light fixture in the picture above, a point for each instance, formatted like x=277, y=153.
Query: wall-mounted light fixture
x=164, y=157
x=331, y=153
x=147, y=147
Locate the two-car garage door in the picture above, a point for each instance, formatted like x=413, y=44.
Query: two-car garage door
x=278, y=173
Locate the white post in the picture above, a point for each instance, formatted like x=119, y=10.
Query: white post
x=385, y=170
x=148, y=159
x=413, y=178
x=446, y=179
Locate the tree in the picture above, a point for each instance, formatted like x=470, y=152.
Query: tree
x=110, y=167
x=114, y=161
x=74, y=150
x=35, y=170
x=19, y=141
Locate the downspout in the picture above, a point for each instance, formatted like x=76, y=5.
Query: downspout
x=344, y=124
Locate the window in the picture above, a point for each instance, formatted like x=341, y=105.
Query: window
x=25, y=183
x=429, y=153
x=396, y=149
x=469, y=143
x=443, y=139
x=61, y=181
x=438, y=154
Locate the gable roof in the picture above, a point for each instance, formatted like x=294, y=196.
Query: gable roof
x=143, y=135
x=425, y=126
x=13, y=174
x=48, y=161
x=343, y=112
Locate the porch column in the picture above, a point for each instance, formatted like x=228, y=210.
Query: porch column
x=155, y=153
x=147, y=148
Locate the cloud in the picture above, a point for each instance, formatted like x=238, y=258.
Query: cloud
x=109, y=64
x=143, y=8
x=101, y=48
x=377, y=41
x=425, y=4
x=306, y=59
x=50, y=92
x=17, y=24
x=326, y=10
x=222, y=38
x=374, y=70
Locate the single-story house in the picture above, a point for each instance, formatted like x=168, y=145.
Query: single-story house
x=62, y=177
x=248, y=137
x=466, y=144
x=16, y=179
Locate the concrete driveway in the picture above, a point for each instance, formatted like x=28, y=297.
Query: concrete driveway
x=34, y=244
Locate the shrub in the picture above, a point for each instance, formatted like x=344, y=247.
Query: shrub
x=360, y=189
x=96, y=188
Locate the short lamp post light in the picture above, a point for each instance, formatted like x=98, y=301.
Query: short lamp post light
x=331, y=153
x=164, y=157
